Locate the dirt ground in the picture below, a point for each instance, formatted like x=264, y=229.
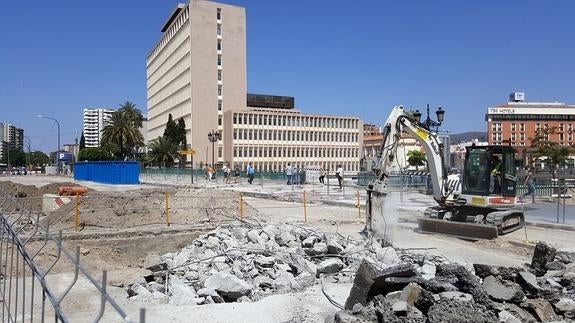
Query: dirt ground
x=114, y=228
x=125, y=231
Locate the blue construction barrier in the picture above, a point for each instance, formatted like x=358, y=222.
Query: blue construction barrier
x=109, y=172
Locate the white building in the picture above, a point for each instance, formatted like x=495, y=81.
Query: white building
x=94, y=122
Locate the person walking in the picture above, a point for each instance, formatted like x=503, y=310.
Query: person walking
x=237, y=174
x=227, y=172
x=339, y=175
x=530, y=183
x=250, y=171
x=210, y=172
x=322, y=176
x=289, y=174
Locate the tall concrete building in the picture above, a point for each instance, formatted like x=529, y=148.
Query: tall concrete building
x=94, y=122
x=11, y=137
x=197, y=71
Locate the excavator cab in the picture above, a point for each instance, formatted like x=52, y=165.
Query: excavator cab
x=488, y=171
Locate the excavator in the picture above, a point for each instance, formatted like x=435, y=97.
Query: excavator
x=481, y=205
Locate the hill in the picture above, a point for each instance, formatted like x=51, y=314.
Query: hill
x=467, y=136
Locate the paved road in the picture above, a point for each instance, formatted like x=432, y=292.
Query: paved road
x=547, y=212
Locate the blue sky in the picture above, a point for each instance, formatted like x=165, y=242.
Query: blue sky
x=353, y=58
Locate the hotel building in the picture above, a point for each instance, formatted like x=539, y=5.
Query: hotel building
x=94, y=122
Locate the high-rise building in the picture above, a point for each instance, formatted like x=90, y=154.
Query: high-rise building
x=11, y=137
x=197, y=70
x=94, y=122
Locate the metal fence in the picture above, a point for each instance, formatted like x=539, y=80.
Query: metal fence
x=32, y=291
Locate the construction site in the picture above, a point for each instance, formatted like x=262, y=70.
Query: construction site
x=215, y=252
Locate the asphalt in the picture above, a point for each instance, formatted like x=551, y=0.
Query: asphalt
x=544, y=213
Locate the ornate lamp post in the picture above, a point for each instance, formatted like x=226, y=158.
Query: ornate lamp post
x=429, y=123
x=213, y=136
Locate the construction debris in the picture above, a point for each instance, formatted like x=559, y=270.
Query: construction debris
x=246, y=263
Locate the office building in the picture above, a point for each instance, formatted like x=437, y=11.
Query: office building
x=94, y=122
x=271, y=133
x=197, y=71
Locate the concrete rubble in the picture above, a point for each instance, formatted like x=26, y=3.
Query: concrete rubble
x=243, y=263
x=405, y=292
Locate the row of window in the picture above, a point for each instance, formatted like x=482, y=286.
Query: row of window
x=291, y=152
x=280, y=166
x=294, y=121
x=265, y=134
x=501, y=117
x=496, y=126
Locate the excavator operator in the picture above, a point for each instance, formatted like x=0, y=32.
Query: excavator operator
x=495, y=185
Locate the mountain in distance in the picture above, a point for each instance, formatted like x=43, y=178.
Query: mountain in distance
x=468, y=136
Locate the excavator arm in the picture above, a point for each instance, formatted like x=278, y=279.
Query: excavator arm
x=397, y=123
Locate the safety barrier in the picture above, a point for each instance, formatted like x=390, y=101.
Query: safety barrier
x=32, y=291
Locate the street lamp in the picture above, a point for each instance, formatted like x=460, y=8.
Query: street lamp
x=213, y=136
x=28, y=157
x=56, y=156
x=429, y=123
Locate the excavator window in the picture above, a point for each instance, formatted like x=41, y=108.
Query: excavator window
x=489, y=170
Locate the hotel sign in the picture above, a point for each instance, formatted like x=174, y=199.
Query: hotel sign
x=501, y=111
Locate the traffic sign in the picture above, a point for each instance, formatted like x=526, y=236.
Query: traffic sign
x=188, y=152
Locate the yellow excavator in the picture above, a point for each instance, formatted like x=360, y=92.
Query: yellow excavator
x=481, y=205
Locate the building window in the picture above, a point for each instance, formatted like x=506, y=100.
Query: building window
x=219, y=75
x=220, y=107
x=219, y=44
x=219, y=30
x=219, y=120
x=219, y=90
x=219, y=60
x=219, y=14
x=522, y=127
x=512, y=127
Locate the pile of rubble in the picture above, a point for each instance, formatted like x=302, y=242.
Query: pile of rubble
x=245, y=263
x=543, y=291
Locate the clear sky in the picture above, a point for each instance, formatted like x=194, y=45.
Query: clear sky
x=352, y=58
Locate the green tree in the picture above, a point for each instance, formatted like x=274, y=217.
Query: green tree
x=39, y=158
x=82, y=141
x=182, y=141
x=94, y=154
x=132, y=113
x=416, y=158
x=171, y=131
x=163, y=151
x=122, y=133
x=544, y=147
x=17, y=157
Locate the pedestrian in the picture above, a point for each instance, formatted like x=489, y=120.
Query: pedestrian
x=250, y=171
x=339, y=175
x=206, y=172
x=289, y=174
x=321, y=175
x=237, y=173
x=210, y=172
x=227, y=172
x=530, y=183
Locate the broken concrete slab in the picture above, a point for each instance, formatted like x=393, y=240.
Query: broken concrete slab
x=228, y=286
x=502, y=293
x=542, y=309
x=330, y=266
x=457, y=296
x=542, y=254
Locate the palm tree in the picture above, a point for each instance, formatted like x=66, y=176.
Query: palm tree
x=132, y=113
x=163, y=150
x=122, y=132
